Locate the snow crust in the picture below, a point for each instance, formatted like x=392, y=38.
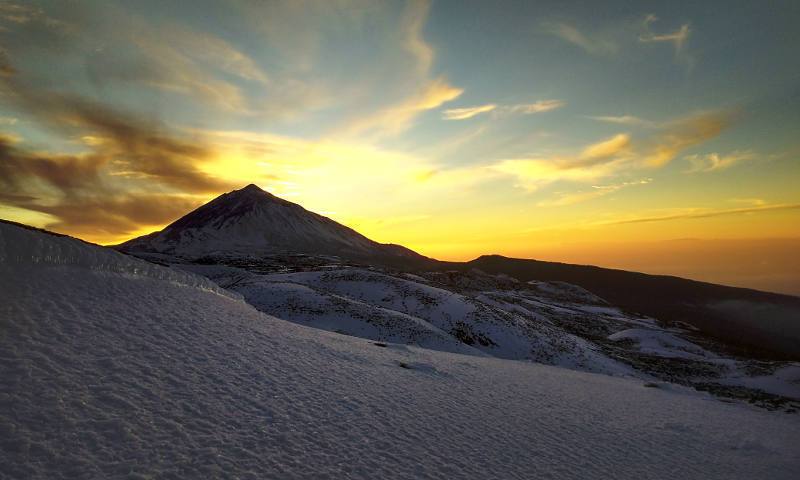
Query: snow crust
x=114, y=370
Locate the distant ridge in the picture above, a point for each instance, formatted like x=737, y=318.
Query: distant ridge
x=763, y=323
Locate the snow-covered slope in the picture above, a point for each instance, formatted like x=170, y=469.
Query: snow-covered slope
x=252, y=221
x=113, y=368
x=382, y=307
x=478, y=314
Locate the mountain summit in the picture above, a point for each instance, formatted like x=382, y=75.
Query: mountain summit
x=253, y=221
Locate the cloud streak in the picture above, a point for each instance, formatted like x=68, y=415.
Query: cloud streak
x=597, y=191
x=617, y=154
x=539, y=106
x=467, y=112
x=415, y=90
x=629, y=120
x=692, y=214
x=679, y=38
x=594, y=44
x=399, y=117
x=713, y=162
x=535, y=107
x=606, y=149
x=676, y=136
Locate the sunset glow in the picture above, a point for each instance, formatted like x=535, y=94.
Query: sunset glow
x=632, y=139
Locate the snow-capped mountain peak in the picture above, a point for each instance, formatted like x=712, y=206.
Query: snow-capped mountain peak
x=253, y=221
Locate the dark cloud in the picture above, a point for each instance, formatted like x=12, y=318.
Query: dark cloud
x=6, y=69
x=142, y=149
x=12, y=198
x=84, y=203
x=134, y=173
x=64, y=172
x=130, y=143
x=114, y=215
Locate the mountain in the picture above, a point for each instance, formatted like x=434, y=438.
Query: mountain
x=113, y=367
x=252, y=221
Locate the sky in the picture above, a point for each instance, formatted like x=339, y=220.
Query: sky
x=655, y=136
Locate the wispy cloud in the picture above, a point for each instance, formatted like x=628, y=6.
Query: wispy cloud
x=607, y=148
x=611, y=42
x=712, y=162
x=597, y=191
x=536, y=107
x=21, y=14
x=533, y=173
x=594, y=44
x=414, y=41
x=678, y=135
x=416, y=90
x=177, y=59
x=679, y=38
x=624, y=120
x=397, y=118
x=753, y=202
x=164, y=56
x=467, y=112
x=539, y=106
x=594, y=161
x=699, y=213
x=619, y=153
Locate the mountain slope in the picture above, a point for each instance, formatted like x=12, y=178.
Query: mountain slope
x=384, y=307
x=252, y=221
x=116, y=368
x=763, y=323
x=475, y=313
